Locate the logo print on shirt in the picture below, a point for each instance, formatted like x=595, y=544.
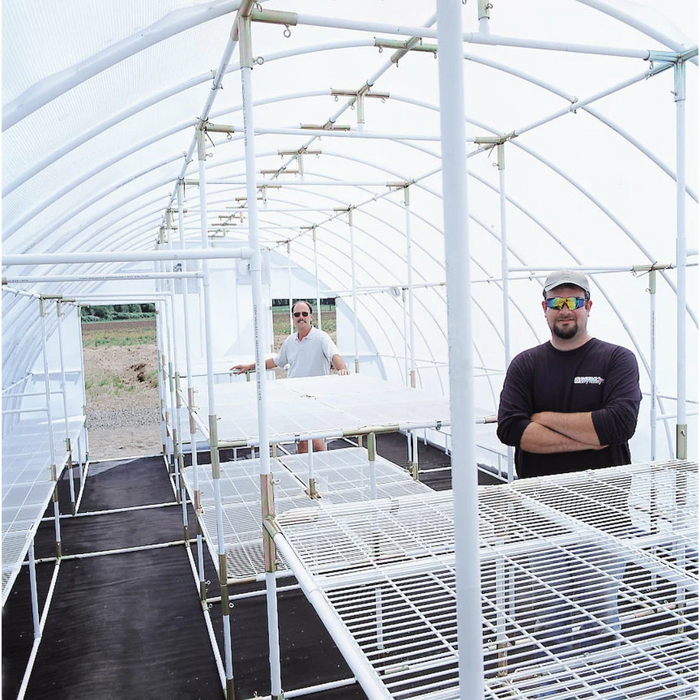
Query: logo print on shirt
x=588, y=380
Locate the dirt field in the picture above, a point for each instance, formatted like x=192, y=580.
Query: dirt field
x=121, y=386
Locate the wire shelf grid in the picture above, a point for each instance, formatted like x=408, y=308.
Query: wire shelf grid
x=577, y=601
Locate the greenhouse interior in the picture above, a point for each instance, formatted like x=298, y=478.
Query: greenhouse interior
x=480, y=220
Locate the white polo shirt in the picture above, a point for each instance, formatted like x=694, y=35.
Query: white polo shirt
x=309, y=357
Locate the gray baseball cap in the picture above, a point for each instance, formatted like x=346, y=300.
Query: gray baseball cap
x=560, y=277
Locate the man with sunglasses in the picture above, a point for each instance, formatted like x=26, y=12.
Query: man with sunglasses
x=572, y=403
x=309, y=353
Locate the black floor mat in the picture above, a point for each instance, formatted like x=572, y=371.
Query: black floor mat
x=126, y=483
x=125, y=626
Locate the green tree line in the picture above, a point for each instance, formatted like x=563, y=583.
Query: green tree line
x=117, y=312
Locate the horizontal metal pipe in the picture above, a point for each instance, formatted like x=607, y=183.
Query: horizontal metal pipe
x=350, y=432
x=469, y=37
x=32, y=279
x=310, y=690
x=125, y=550
x=298, y=183
x=124, y=256
x=113, y=510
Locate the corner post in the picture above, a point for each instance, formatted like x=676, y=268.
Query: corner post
x=460, y=341
x=681, y=255
x=246, y=61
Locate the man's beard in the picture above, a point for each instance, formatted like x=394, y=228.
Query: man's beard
x=565, y=333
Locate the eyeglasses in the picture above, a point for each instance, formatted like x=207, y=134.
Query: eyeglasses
x=571, y=303
x=301, y=313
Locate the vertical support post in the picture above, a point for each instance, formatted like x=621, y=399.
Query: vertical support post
x=409, y=265
x=213, y=426
x=161, y=378
x=64, y=392
x=197, y=504
x=289, y=282
x=681, y=254
x=34, y=590
x=246, y=62
x=177, y=421
x=318, y=290
x=652, y=359
x=484, y=15
x=354, y=289
x=501, y=151
x=175, y=402
x=49, y=420
x=464, y=473
x=372, y=458
x=312, y=477
x=414, y=455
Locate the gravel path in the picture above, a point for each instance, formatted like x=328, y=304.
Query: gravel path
x=122, y=418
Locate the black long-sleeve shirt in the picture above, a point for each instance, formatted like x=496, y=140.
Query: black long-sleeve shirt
x=598, y=377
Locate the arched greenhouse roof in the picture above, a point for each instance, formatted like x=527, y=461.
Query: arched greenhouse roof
x=215, y=157
x=101, y=104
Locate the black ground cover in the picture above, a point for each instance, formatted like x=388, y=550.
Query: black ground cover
x=130, y=625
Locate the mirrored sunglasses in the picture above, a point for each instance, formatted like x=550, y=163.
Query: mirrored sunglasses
x=571, y=303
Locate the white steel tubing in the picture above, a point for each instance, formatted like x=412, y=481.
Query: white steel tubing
x=651, y=31
x=318, y=290
x=504, y=276
x=246, y=60
x=59, y=324
x=652, y=360
x=210, y=629
x=353, y=275
x=584, y=102
x=464, y=472
x=33, y=589
x=306, y=183
x=289, y=282
x=213, y=440
x=37, y=642
x=123, y=256
x=161, y=381
x=469, y=37
x=679, y=96
x=49, y=421
x=165, y=336
x=351, y=134
x=168, y=369
x=179, y=481
x=13, y=411
x=406, y=358
x=409, y=268
x=188, y=369
x=357, y=661
x=312, y=477
x=310, y=690
x=32, y=279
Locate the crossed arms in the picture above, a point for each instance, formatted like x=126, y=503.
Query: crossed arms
x=550, y=432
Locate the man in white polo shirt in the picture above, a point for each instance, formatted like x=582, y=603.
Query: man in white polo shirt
x=309, y=353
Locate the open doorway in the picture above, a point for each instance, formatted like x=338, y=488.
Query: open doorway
x=121, y=380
